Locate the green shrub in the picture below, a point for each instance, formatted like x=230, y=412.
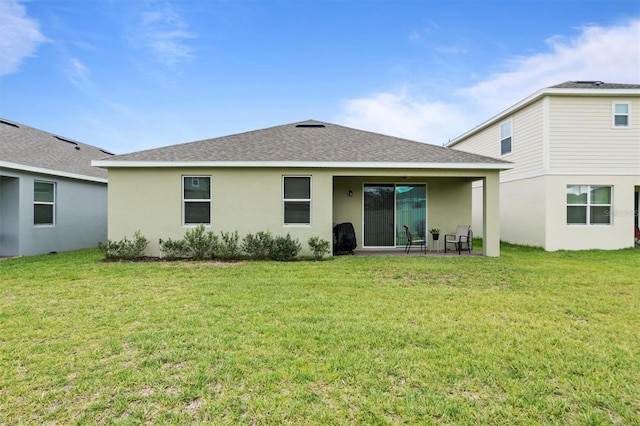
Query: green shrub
x=125, y=249
x=229, y=247
x=174, y=249
x=285, y=248
x=258, y=246
x=200, y=245
x=319, y=247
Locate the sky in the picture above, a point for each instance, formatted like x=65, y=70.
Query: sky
x=129, y=75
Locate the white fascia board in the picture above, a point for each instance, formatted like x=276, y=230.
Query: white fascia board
x=300, y=164
x=538, y=95
x=43, y=171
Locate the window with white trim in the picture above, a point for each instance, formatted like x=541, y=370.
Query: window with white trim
x=621, y=113
x=506, y=136
x=44, y=203
x=296, y=200
x=588, y=205
x=196, y=200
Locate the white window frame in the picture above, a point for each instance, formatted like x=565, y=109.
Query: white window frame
x=589, y=204
x=614, y=114
x=45, y=203
x=309, y=200
x=510, y=123
x=196, y=178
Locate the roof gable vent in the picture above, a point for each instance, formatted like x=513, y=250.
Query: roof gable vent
x=593, y=83
x=311, y=125
x=66, y=140
x=9, y=123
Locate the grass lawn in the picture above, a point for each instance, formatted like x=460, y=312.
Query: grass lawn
x=527, y=338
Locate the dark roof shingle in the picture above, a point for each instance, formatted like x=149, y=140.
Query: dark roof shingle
x=593, y=85
x=27, y=146
x=308, y=141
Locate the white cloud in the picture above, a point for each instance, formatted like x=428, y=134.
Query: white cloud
x=78, y=74
x=19, y=36
x=403, y=115
x=165, y=32
x=610, y=54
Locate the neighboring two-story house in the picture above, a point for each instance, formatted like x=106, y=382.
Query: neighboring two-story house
x=51, y=198
x=576, y=176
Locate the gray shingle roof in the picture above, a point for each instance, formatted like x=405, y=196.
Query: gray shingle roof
x=27, y=146
x=308, y=141
x=593, y=85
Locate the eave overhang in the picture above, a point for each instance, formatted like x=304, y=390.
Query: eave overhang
x=299, y=164
x=44, y=171
x=539, y=95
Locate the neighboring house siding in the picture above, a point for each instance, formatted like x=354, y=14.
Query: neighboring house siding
x=617, y=235
x=527, y=142
x=583, y=139
x=522, y=211
x=485, y=142
x=80, y=215
x=562, y=140
x=9, y=216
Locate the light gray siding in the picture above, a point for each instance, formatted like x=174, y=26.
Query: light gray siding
x=80, y=215
x=9, y=215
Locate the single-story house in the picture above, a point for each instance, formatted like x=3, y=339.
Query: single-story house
x=51, y=198
x=301, y=179
x=575, y=183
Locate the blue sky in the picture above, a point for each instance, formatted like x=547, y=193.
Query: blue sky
x=127, y=75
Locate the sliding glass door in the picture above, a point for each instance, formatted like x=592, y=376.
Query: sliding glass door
x=387, y=207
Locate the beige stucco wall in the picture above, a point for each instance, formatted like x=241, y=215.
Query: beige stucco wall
x=523, y=208
x=249, y=200
x=617, y=235
x=243, y=200
x=526, y=203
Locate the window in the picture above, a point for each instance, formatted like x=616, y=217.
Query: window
x=196, y=200
x=505, y=138
x=588, y=205
x=621, y=114
x=297, y=200
x=44, y=202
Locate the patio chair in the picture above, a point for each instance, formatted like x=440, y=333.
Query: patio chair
x=461, y=240
x=413, y=242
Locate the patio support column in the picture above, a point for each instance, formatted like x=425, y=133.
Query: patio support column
x=491, y=214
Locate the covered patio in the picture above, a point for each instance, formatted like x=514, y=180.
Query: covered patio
x=380, y=203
